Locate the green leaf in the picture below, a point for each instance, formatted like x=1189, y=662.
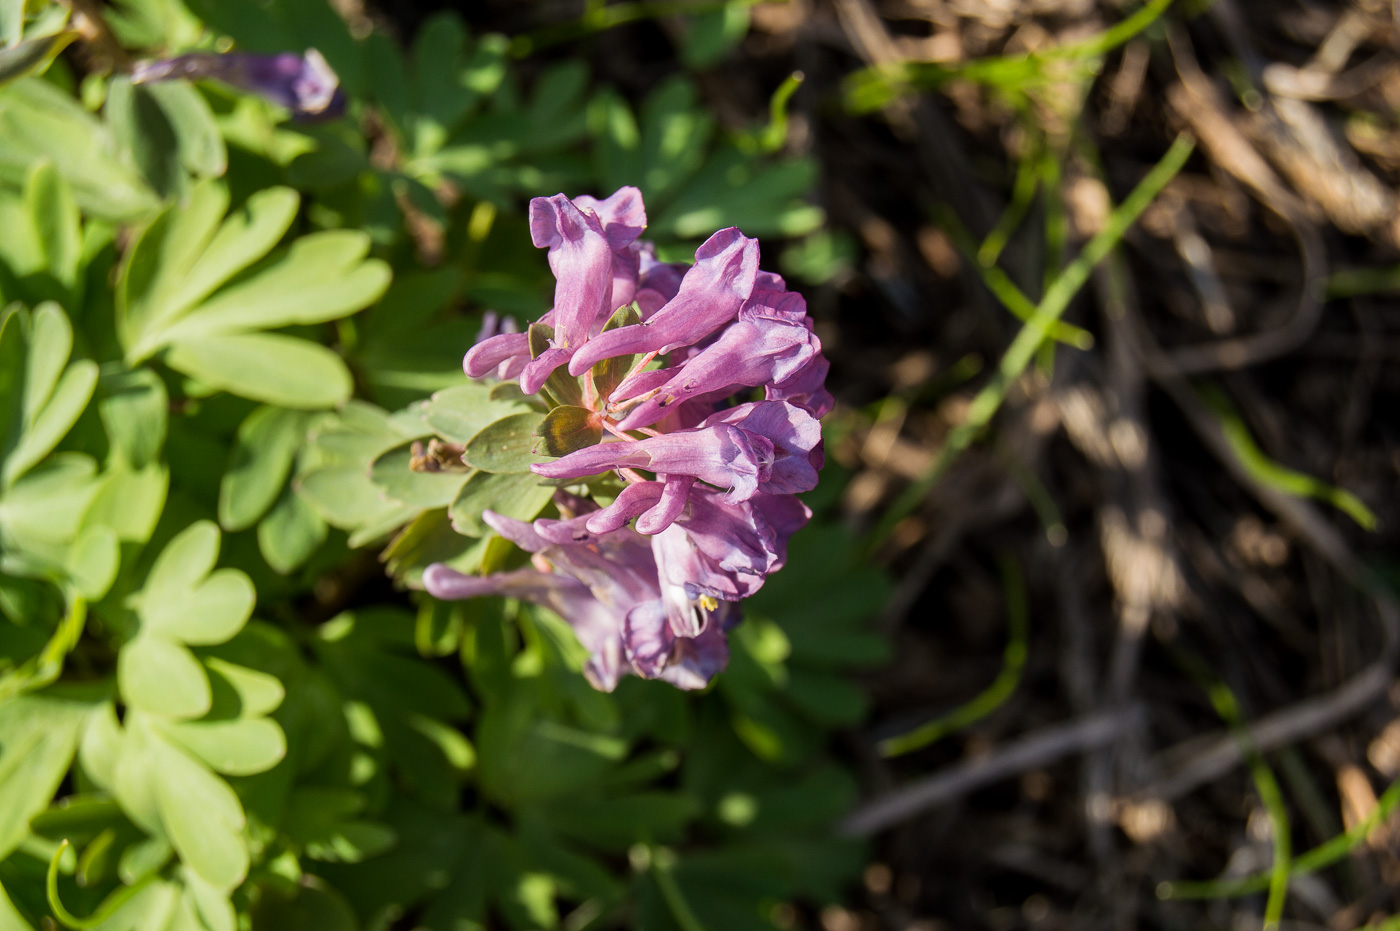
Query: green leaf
x=135, y=409
x=39, y=120
x=247, y=235
x=272, y=368
x=199, y=146
x=202, y=816
x=211, y=903
x=11, y=21
x=185, y=561
x=38, y=736
x=458, y=414
x=525, y=757
x=261, y=459
x=52, y=424
x=290, y=532
x=144, y=132
x=130, y=501
x=322, y=821
x=210, y=613
x=712, y=34
x=311, y=904
x=242, y=692
x=164, y=261
x=323, y=276
x=56, y=221
x=512, y=494
x=428, y=538
x=162, y=677
x=504, y=446
x=240, y=747
x=50, y=345
x=618, y=823
x=393, y=472
x=31, y=55
x=47, y=504
x=93, y=561
x=183, y=600
x=567, y=429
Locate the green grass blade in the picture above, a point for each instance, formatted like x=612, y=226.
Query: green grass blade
x=1268, y=472
x=879, y=85
x=1320, y=857
x=1022, y=194
x=1013, y=664
x=1003, y=288
x=1037, y=329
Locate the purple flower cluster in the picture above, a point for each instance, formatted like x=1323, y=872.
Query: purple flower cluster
x=710, y=485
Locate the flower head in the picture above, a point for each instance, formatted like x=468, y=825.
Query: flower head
x=703, y=386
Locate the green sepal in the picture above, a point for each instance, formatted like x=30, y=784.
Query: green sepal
x=559, y=388
x=609, y=373
x=568, y=428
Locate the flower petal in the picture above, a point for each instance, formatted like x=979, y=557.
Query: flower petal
x=710, y=295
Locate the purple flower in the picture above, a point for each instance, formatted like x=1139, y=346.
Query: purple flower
x=711, y=518
x=304, y=84
x=710, y=295
x=596, y=264
x=607, y=588
x=758, y=349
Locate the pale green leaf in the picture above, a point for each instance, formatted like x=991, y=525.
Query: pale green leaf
x=185, y=561
x=11, y=21
x=145, y=134
x=321, y=277
x=247, y=235
x=457, y=414
x=272, y=368
x=240, y=747
x=56, y=221
x=242, y=692
x=130, y=501
x=504, y=446
x=47, y=503
x=512, y=494
x=135, y=410
x=50, y=345
x=212, y=904
x=38, y=736
x=344, y=496
x=199, y=146
x=162, y=677
x=100, y=746
x=162, y=262
x=63, y=409
x=39, y=120
x=202, y=817
x=290, y=532
x=208, y=613
x=262, y=456
x=93, y=561
x=392, y=472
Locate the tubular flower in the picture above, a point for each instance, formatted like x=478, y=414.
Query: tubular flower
x=704, y=385
x=304, y=84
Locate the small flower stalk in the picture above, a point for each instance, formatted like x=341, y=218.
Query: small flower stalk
x=700, y=388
